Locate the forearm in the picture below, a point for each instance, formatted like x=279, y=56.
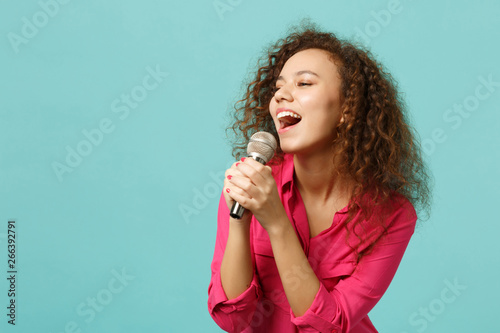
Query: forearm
x=298, y=278
x=236, y=267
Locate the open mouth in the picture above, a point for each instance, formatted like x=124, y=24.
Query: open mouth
x=288, y=119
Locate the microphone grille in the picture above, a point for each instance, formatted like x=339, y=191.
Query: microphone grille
x=264, y=144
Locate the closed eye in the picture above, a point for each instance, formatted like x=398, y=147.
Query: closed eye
x=300, y=84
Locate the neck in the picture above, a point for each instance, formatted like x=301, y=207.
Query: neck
x=317, y=176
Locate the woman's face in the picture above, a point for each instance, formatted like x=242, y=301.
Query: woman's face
x=306, y=106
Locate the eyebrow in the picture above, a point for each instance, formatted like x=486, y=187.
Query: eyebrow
x=299, y=73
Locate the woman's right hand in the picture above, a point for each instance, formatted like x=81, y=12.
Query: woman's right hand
x=228, y=187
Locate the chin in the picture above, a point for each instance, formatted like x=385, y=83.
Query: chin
x=289, y=149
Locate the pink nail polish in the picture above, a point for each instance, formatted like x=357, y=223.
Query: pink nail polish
x=243, y=159
x=229, y=177
x=228, y=190
x=237, y=163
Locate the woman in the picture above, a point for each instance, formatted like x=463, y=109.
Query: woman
x=328, y=220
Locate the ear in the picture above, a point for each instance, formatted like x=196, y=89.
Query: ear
x=342, y=119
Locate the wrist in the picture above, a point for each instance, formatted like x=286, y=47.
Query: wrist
x=280, y=229
x=240, y=224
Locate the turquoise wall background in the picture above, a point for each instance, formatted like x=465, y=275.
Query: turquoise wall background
x=113, y=151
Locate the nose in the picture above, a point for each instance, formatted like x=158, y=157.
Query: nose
x=282, y=94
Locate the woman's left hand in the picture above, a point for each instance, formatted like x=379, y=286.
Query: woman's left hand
x=255, y=189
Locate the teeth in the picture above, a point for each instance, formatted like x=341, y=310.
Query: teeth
x=288, y=113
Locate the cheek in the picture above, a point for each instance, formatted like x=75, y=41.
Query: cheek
x=317, y=104
x=335, y=106
x=309, y=100
x=272, y=105
x=272, y=110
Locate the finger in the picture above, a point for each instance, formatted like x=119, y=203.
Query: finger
x=253, y=170
x=257, y=194
x=239, y=184
x=237, y=195
x=242, y=183
x=229, y=173
x=233, y=171
x=261, y=168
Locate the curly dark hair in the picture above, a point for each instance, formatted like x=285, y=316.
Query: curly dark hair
x=380, y=150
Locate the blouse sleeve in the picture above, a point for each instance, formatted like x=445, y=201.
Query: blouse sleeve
x=342, y=308
x=231, y=315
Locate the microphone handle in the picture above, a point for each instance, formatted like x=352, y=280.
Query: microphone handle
x=237, y=210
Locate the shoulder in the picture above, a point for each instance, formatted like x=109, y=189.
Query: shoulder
x=394, y=219
x=400, y=217
x=401, y=209
x=395, y=207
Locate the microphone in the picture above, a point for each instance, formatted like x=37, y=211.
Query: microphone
x=261, y=148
